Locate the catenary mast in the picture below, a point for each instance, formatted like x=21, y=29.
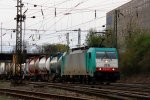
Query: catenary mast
x=18, y=54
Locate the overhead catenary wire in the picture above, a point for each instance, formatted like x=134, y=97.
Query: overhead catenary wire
x=52, y=6
x=64, y=15
x=36, y=23
x=87, y=8
x=69, y=11
x=74, y=7
x=75, y=11
x=56, y=36
x=62, y=30
x=76, y=25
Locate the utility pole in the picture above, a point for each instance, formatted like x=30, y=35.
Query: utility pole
x=1, y=37
x=23, y=41
x=24, y=18
x=67, y=37
x=115, y=42
x=18, y=54
x=79, y=37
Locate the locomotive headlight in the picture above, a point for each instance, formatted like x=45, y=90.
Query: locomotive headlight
x=106, y=61
x=100, y=69
x=113, y=69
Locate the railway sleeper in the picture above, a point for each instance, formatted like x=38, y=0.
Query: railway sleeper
x=38, y=95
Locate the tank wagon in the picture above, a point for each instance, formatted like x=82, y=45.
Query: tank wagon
x=37, y=68
x=2, y=70
x=6, y=70
x=42, y=68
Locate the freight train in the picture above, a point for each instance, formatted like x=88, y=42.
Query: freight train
x=82, y=65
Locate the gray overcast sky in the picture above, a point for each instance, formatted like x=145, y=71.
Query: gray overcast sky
x=71, y=14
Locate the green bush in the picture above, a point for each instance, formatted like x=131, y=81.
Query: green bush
x=136, y=58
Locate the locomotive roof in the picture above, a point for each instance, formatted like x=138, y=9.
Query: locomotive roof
x=103, y=49
x=80, y=48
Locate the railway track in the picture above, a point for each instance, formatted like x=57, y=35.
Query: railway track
x=24, y=95
x=141, y=85
x=106, y=91
x=145, y=88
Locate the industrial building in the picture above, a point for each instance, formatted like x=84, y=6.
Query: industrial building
x=126, y=19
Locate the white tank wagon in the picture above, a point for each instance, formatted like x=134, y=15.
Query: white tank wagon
x=8, y=68
x=37, y=64
x=55, y=68
x=2, y=70
x=53, y=65
x=26, y=70
x=48, y=63
x=32, y=69
x=53, y=71
x=42, y=65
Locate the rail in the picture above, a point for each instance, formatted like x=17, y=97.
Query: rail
x=37, y=95
x=111, y=92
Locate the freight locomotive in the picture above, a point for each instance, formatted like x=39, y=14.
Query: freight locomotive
x=94, y=64
x=82, y=65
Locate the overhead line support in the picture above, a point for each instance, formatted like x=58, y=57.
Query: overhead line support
x=18, y=54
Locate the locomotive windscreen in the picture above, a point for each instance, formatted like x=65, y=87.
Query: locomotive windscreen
x=106, y=55
x=106, y=60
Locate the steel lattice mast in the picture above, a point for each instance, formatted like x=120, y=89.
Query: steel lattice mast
x=18, y=55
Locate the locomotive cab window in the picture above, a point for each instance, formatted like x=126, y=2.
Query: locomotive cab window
x=106, y=55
